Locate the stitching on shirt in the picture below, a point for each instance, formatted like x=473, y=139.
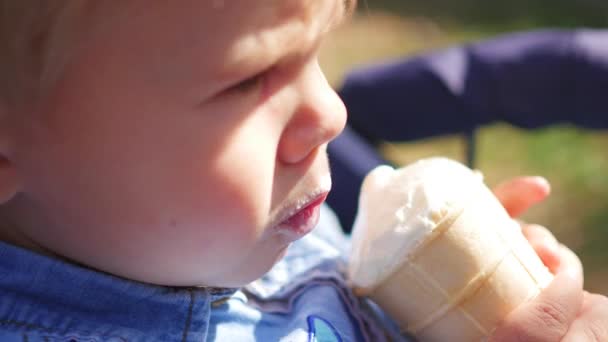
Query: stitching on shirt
x=320, y=276
x=36, y=327
x=28, y=326
x=189, y=317
x=334, y=280
x=366, y=329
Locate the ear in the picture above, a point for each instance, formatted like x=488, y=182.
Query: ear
x=9, y=180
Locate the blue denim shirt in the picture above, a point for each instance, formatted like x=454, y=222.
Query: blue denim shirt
x=303, y=298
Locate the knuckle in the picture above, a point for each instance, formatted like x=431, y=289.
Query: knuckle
x=546, y=321
x=552, y=315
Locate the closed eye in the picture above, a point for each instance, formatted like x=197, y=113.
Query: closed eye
x=249, y=84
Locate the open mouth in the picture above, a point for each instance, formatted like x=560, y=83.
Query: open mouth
x=304, y=219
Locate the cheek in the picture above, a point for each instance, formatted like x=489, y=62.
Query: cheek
x=195, y=196
x=155, y=184
x=242, y=177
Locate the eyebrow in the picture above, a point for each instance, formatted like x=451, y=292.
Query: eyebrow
x=305, y=11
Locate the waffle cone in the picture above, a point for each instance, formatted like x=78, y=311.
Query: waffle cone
x=465, y=277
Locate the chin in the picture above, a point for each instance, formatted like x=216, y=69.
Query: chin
x=248, y=272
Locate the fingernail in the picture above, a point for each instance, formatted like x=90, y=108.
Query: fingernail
x=551, y=244
x=544, y=182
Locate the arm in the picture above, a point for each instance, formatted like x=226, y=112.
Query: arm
x=527, y=79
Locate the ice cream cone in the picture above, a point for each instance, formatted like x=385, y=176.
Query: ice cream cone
x=455, y=265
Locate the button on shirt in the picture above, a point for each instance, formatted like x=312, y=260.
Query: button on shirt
x=303, y=298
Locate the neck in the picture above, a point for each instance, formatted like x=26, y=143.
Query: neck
x=11, y=234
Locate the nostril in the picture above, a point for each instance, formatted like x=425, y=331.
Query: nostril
x=297, y=143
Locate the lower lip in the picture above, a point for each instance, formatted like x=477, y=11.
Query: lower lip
x=304, y=221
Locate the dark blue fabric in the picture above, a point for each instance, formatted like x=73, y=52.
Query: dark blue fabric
x=351, y=157
x=530, y=80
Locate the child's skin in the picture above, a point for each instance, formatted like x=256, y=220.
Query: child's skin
x=563, y=311
x=168, y=153
x=176, y=140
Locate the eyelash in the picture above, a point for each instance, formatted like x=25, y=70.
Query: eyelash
x=249, y=84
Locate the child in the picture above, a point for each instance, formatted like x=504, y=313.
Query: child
x=157, y=159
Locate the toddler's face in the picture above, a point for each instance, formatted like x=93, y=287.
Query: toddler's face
x=181, y=137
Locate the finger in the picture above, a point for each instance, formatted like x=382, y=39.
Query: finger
x=519, y=194
x=592, y=322
x=547, y=317
x=544, y=243
x=536, y=232
x=570, y=264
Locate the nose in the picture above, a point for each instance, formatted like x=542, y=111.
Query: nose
x=319, y=117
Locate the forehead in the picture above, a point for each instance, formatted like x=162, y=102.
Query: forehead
x=260, y=14
x=217, y=37
x=276, y=27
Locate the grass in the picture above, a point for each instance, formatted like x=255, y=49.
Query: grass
x=575, y=161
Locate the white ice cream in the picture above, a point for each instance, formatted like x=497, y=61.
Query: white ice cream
x=398, y=209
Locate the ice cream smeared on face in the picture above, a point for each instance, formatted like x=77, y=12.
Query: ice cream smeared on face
x=400, y=208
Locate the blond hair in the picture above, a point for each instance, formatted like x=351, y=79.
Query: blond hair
x=34, y=38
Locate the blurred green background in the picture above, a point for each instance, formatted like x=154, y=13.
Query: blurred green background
x=575, y=161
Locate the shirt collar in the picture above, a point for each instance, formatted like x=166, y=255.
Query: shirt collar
x=61, y=297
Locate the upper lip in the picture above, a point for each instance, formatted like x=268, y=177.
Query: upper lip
x=297, y=206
